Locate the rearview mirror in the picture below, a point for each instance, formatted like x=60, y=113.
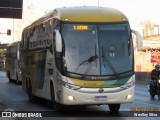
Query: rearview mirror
x=58, y=40
x=138, y=39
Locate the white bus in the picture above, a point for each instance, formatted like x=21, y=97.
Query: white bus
x=12, y=66
x=80, y=56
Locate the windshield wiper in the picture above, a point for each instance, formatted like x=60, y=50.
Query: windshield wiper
x=109, y=63
x=90, y=60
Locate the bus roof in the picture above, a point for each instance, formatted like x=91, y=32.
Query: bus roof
x=13, y=44
x=90, y=14
x=83, y=14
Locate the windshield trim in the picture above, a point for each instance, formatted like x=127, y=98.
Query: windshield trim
x=109, y=76
x=100, y=77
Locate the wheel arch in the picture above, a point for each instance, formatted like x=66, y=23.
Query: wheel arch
x=52, y=84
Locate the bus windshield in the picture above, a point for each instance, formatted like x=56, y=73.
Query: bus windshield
x=98, y=49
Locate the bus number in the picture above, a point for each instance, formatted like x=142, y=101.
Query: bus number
x=89, y=84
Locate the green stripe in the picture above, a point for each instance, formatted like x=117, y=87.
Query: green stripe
x=115, y=83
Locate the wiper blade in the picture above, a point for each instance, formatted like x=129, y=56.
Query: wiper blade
x=90, y=60
x=109, y=64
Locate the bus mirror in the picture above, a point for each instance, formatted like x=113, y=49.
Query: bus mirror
x=58, y=41
x=138, y=40
x=18, y=54
x=18, y=58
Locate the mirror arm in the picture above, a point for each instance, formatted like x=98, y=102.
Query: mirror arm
x=139, y=40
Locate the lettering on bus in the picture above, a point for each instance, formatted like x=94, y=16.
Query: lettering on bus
x=41, y=42
x=80, y=27
x=38, y=37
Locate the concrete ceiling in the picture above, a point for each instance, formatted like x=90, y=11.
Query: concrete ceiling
x=11, y=9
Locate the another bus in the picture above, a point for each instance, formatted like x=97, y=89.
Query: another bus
x=80, y=56
x=12, y=65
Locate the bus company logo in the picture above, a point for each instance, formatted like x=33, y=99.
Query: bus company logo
x=101, y=90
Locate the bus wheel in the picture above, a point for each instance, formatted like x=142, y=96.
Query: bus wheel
x=114, y=107
x=8, y=74
x=10, y=80
x=56, y=106
x=17, y=80
x=31, y=97
x=19, y=83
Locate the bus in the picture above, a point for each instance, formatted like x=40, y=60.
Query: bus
x=80, y=56
x=12, y=65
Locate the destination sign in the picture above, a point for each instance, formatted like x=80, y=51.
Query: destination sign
x=80, y=27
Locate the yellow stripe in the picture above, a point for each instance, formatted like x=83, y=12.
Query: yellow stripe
x=91, y=14
x=89, y=83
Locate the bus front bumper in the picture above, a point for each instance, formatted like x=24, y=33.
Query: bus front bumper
x=67, y=96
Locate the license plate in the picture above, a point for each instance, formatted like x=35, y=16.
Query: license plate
x=100, y=98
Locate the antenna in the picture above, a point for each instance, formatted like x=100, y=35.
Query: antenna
x=98, y=3
x=83, y=3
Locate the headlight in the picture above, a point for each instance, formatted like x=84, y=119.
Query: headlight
x=159, y=81
x=128, y=85
x=70, y=86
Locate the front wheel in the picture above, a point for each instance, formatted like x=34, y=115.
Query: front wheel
x=56, y=106
x=152, y=93
x=159, y=93
x=114, y=107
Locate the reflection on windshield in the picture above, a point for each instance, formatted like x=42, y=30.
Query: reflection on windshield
x=83, y=42
x=107, y=61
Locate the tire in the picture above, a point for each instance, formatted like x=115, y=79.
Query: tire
x=31, y=97
x=17, y=80
x=114, y=107
x=158, y=95
x=10, y=80
x=56, y=106
x=19, y=83
x=26, y=86
x=152, y=96
x=8, y=75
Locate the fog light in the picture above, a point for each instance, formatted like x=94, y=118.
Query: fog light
x=71, y=98
x=128, y=96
